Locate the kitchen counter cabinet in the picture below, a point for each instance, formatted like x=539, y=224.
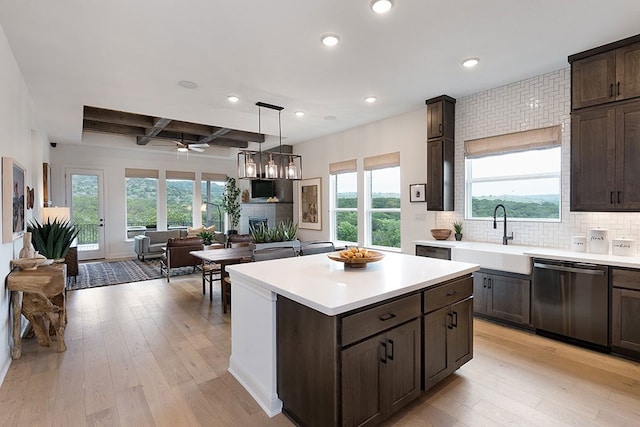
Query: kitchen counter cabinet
x=302, y=340
x=433, y=252
x=502, y=296
x=440, y=153
x=625, y=311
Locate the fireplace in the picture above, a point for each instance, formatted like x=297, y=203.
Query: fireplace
x=254, y=222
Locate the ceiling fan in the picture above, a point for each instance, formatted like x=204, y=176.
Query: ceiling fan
x=183, y=147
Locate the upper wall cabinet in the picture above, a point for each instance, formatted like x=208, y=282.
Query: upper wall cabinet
x=440, y=117
x=606, y=74
x=440, y=153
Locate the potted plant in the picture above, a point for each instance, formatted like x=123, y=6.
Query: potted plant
x=282, y=235
x=207, y=237
x=457, y=227
x=230, y=203
x=53, y=239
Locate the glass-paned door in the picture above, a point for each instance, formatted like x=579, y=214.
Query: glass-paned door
x=86, y=200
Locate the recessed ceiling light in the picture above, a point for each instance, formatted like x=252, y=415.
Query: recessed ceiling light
x=187, y=84
x=330, y=39
x=370, y=99
x=233, y=98
x=470, y=62
x=299, y=113
x=381, y=6
x=329, y=117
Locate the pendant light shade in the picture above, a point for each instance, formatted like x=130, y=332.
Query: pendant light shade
x=254, y=164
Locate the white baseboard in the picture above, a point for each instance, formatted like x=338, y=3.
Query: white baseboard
x=269, y=404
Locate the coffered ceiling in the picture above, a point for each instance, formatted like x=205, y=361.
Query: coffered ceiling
x=130, y=55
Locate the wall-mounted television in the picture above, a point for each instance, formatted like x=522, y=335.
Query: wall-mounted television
x=262, y=189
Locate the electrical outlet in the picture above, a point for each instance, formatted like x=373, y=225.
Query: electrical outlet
x=421, y=217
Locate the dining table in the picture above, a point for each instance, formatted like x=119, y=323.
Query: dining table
x=224, y=257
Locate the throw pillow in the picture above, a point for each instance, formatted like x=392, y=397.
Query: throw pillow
x=194, y=231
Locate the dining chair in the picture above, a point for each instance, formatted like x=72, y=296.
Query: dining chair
x=225, y=285
x=273, y=253
x=211, y=272
x=312, y=248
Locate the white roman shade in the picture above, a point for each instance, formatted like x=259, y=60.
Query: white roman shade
x=346, y=166
x=181, y=175
x=382, y=161
x=535, y=139
x=141, y=173
x=208, y=176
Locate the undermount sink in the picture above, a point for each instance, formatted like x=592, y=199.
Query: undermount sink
x=510, y=258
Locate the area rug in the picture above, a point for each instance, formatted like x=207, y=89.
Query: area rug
x=95, y=274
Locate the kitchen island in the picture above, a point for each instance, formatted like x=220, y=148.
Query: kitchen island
x=303, y=327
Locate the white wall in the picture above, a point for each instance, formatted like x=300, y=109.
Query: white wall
x=528, y=104
x=405, y=133
x=113, y=164
x=20, y=139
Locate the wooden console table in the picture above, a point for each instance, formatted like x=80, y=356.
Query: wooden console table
x=39, y=295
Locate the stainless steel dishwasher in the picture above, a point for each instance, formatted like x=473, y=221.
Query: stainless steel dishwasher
x=571, y=300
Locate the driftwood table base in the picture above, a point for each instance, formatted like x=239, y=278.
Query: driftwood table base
x=39, y=295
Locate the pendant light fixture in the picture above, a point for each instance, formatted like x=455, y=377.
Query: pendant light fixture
x=278, y=166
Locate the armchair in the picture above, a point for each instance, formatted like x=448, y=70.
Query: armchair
x=152, y=243
x=177, y=254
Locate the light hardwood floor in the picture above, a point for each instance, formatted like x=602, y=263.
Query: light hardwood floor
x=156, y=353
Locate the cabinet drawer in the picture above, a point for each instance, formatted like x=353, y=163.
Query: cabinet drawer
x=628, y=279
x=433, y=252
x=447, y=294
x=369, y=322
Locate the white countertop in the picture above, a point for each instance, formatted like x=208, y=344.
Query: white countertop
x=326, y=286
x=538, y=252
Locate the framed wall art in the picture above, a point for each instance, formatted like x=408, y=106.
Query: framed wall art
x=310, y=204
x=417, y=193
x=13, y=200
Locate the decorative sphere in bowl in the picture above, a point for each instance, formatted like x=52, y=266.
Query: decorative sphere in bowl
x=440, y=233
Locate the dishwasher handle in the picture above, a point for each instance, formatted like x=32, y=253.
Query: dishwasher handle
x=578, y=270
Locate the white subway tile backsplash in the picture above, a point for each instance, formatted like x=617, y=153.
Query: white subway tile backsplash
x=528, y=104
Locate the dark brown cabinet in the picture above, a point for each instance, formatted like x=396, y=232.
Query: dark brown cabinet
x=440, y=153
x=625, y=311
x=448, y=330
x=440, y=165
x=380, y=375
x=604, y=158
x=502, y=296
x=606, y=74
x=440, y=117
x=433, y=252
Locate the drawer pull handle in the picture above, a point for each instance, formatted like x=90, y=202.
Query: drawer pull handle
x=454, y=319
x=618, y=88
x=450, y=294
x=384, y=352
x=387, y=317
x=450, y=320
x=610, y=90
x=392, y=347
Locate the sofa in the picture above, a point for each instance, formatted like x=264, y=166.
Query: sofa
x=151, y=243
x=177, y=254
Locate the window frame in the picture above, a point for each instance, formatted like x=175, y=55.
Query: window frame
x=334, y=209
x=369, y=210
x=126, y=201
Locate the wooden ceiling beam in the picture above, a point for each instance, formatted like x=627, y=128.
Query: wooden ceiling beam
x=118, y=117
x=159, y=124
x=96, y=126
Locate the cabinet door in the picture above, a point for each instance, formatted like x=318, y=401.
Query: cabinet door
x=440, y=169
x=460, y=340
x=401, y=380
x=361, y=403
x=436, y=361
x=592, y=80
x=625, y=319
x=593, y=160
x=480, y=292
x=435, y=120
x=509, y=298
x=627, y=194
x=628, y=72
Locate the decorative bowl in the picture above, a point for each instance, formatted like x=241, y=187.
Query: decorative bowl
x=30, y=263
x=356, y=262
x=440, y=233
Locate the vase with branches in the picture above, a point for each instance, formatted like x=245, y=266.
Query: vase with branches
x=230, y=203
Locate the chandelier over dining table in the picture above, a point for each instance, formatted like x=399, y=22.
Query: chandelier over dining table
x=269, y=165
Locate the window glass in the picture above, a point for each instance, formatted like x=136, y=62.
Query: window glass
x=179, y=203
x=527, y=183
x=212, y=213
x=142, y=198
x=345, y=207
x=383, y=207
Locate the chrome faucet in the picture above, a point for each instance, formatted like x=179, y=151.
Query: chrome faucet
x=505, y=238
